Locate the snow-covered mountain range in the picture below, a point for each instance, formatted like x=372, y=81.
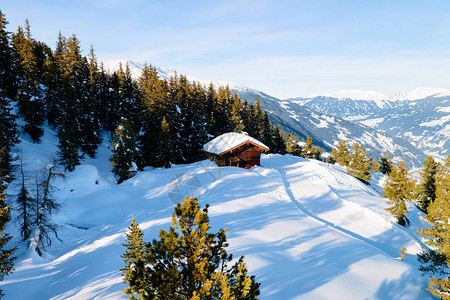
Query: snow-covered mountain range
x=421, y=116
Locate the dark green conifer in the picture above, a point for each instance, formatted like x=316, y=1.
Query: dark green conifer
x=135, y=258
x=292, y=146
x=30, y=93
x=8, y=91
x=340, y=154
x=165, y=147
x=153, y=94
x=399, y=189
x=385, y=164
x=278, y=143
x=438, y=217
x=124, y=151
x=427, y=186
x=6, y=255
x=309, y=151
x=25, y=206
x=359, y=165
x=236, y=115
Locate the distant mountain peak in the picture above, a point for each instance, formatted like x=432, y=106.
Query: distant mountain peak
x=353, y=94
x=421, y=93
x=380, y=99
x=165, y=73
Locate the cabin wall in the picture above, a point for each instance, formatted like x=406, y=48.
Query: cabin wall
x=250, y=156
x=245, y=156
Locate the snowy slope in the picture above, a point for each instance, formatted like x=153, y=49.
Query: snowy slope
x=307, y=229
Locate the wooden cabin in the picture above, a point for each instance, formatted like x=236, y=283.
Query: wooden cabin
x=235, y=149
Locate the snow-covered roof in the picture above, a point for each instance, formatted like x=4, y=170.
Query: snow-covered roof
x=228, y=141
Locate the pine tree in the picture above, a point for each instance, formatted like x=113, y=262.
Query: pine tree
x=385, y=164
x=187, y=262
x=30, y=92
x=309, y=151
x=153, y=93
x=236, y=115
x=375, y=166
x=278, y=142
x=340, y=154
x=6, y=258
x=72, y=95
x=427, y=186
x=438, y=217
x=399, y=190
x=52, y=81
x=68, y=148
x=165, y=151
x=135, y=257
x=90, y=106
x=8, y=91
x=124, y=152
x=25, y=206
x=292, y=146
x=359, y=165
x=130, y=107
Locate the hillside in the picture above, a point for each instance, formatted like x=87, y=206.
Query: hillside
x=420, y=116
x=424, y=122
x=307, y=229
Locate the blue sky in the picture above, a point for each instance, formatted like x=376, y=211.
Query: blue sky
x=284, y=48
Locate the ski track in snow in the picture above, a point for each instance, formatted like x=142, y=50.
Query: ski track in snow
x=391, y=251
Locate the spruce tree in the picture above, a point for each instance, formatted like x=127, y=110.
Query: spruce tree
x=187, y=262
x=438, y=217
x=8, y=91
x=153, y=93
x=236, y=115
x=359, y=165
x=90, y=106
x=385, y=164
x=278, y=142
x=52, y=82
x=375, y=166
x=427, y=186
x=165, y=146
x=340, y=154
x=292, y=146
x=6, y=255
x=309, y=151
x=130, y=107
x=399, y=189
x=124, y=152
x=30, y=93
x=135, y=258
x=72, y=98
x=25, y=206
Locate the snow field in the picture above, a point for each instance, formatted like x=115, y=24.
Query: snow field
x=307, y=229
